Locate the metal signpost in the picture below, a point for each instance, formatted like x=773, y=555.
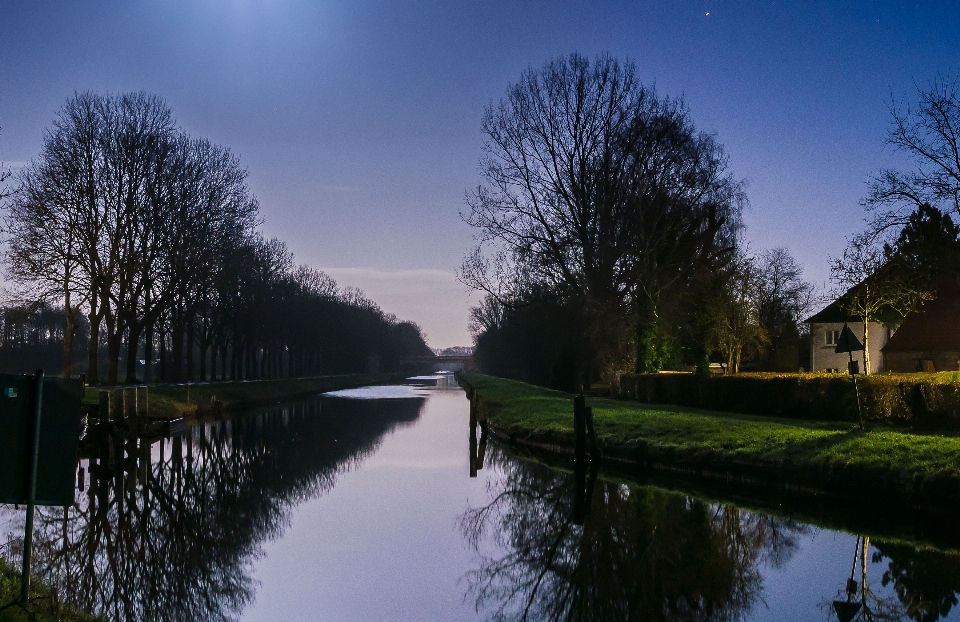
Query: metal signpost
x=39, y=436
x=849, y=343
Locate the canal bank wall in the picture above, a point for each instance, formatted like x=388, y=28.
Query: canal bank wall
x=879, y=465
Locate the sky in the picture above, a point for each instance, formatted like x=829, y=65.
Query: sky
x=359, y=120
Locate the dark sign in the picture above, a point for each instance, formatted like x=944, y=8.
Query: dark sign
x=848, y=342
x=59, y=438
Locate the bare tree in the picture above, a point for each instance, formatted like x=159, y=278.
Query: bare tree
x=597, y=187
x=868, y=284
x=737, y=327
x=43, y=252
x=928, y=133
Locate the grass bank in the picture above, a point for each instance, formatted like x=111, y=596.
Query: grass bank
x=814, y=456
x=42, y=600
x=169, y=401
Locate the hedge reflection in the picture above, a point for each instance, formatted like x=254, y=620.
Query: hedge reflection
x=170, y=530
x=641, y=554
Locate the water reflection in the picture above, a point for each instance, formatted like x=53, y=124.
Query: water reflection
x=170, y=529
x=642, y=553
x=925, y=582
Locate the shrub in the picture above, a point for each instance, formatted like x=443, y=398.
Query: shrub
x=917, y=399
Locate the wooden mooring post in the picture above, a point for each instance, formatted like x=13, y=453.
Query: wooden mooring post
x=584, y=439
x=119, y=405
x=478, y=418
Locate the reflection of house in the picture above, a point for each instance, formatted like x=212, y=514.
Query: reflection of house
x=928, y=339
x=825, y=329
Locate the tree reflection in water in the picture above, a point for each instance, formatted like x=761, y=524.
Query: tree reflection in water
x=170, y=530
x=641, y=554
x=926, y=581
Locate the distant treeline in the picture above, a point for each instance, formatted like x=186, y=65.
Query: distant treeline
x=146, y=238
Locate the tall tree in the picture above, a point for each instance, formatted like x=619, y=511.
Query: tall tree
x=928, y=134
x=597, y=187
x=737, y=326
x=929, y=243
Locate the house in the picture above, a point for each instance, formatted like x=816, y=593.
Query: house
x=929, y=338
x=825, y=329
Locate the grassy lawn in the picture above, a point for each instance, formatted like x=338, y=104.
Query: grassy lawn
x=521, y=407
x=169, y=401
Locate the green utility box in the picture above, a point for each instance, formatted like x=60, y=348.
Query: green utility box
x=59, y=437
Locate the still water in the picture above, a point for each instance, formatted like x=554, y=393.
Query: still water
x=359, y=505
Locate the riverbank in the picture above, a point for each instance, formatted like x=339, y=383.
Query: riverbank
x=171, y=401
x=816, y=457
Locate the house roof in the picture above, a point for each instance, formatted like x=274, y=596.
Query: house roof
x=935, y=327
x=834, y=313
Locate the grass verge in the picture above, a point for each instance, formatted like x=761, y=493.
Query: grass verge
x=826, y=456
x=169, y=401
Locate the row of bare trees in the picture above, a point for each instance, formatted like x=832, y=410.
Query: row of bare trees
x=151, y=234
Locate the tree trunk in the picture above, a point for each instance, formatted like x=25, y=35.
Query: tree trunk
x=162, y=347
x=189, y=346
x=148, y=353
x=235, y=350
x=866, y=347
x=93, y=377
x=114, y=335
x=71, y=328
x=176, y=354
x=214, y=348
x=223, y=360
x=203, y=363
x=133, y=343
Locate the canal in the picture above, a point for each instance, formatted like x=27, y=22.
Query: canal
x=359, y=505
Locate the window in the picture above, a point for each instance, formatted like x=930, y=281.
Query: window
x=832, y=337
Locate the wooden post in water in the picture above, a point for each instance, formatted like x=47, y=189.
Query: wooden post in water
x=473, y=432
x=31, y=489
x=579, y=427
x=579, y=459
x=592, y=434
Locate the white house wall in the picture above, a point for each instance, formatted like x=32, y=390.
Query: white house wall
x=823, y=357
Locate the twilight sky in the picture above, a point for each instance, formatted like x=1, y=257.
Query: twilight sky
x=359, y=119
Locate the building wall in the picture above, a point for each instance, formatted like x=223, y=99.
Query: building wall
x=823, y=357
x=907, y=362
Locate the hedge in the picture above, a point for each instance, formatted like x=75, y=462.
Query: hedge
x=916, y=399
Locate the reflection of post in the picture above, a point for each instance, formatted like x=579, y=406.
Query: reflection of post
x=579, y=459
x=863, y=573
x=31, y=486
x=473, y=444
x=477, y=417
x=579, y=510
x=482, y=449
x=583, y=432
x=847, y=609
